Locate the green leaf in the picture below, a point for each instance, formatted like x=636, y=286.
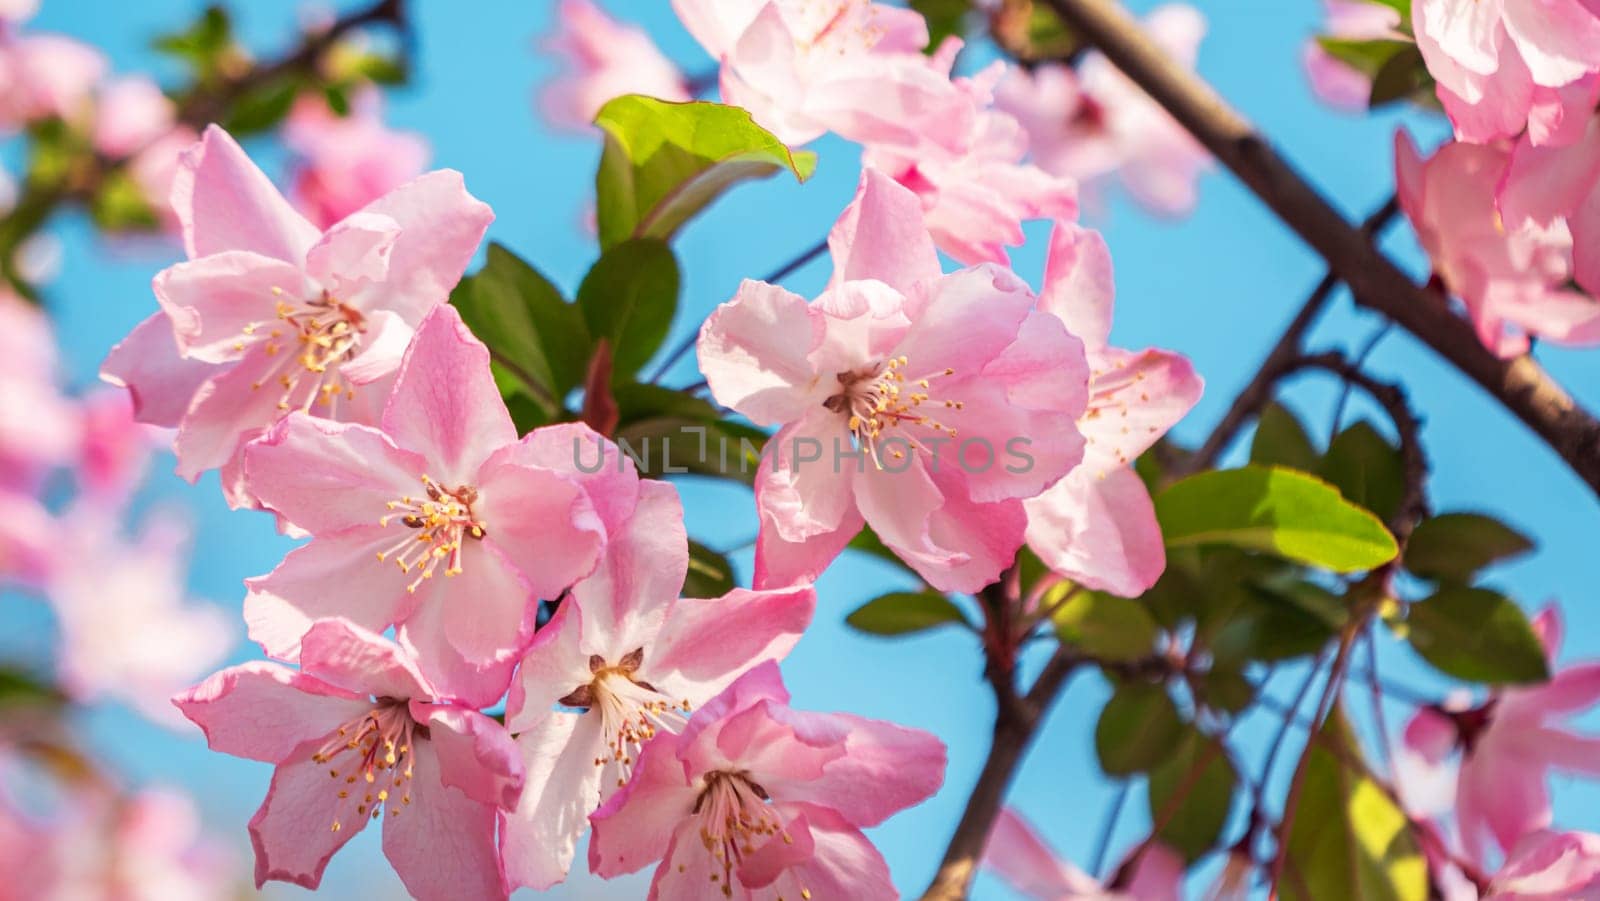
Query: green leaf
x=1192, y=792
x=539, y=338
x=1138, y=729
x=1273, y=623
x=946, y=18
x=710, y=574
x=1365, y=56
x=1454, y=546
x=664, y=162
x=1226, y=689
x=903, y=613
x=629, y=298
x=1366, y=469
x=1348, y=840
x=1477, y=635
x=672, y=445
x=19, y=688
x=1277, y=510
x=264, y=107
x=1402, y=77
x=1106, y=627
x=120, y=204
x=203, y=45
x=1281, y=440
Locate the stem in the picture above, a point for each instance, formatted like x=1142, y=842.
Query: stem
x=1258, y=392
x=682, y=348
x=1103, y=845
x=1520, y=385
x=1014, y=728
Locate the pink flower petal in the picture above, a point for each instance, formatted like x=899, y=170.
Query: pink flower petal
x=215, y=301
x=160, y=381
x=885, y=769
x=224, y=202
x=442, y=844
x=1099, y=530
x=354, y=254
x=539, y=840
x=1079, y=283
x=445, y=404
x=881, y=236
x=293, y=832
x=645, y=562
x=1020, y=857
x=556, y=665
x=332, y=576
x=841, y=863
x=263, y=711
x=441, y=226
x=1559, y=39
x=326, y=477
x=476, y=754
x=706, y=643
x=636, y=827
x=754, y=351
x=342, y=653
x=541, y=521
x=469, y=650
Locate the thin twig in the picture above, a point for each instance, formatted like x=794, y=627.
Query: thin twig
x=1108, y=829
x=1519, y=384
x=1359, y=361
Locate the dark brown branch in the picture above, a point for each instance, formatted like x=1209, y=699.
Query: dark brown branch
x=1519, y=384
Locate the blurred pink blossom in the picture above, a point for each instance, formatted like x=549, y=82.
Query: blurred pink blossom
x=1019, y=856
x=39, y=428
x=114, y=450
x=344, y=163
x=131, y=112
x=1550, y=866
x=602, y=59
x=44, y=75
x=1334, y=82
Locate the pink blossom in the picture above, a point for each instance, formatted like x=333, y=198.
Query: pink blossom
x=637, y=659
x=602, y=59
x=975, y=196
x=1550, y=866
x=128, y=631
x=1020, y=857
x=358, y=731
x=755, y=799
x=806, y=67
x=38, y=424
x=27, y=552
x=1508, y=746
x=270, y=315
x=114, y=450
x=1546, y=185
x=1094, y=122
x=1505, y=64
x=44, y=76
x=130, y=114
x=450, y=525
x=1334, y=82
x=894, y=362
x=1098, y=526
x=345, y=163
x=155, y=170
x=150, y=847
x=1511, y=278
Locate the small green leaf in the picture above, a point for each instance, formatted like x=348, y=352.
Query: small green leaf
x=1454, y=546
x=1226, y=689
x=264, y=107
x=1402, y=77
x=1366, y=469
x=629, y=298
x=1193, y=792
x=710, y=574
x=1274, y=623
x=526, y=324
x=1281, y=440
x=672, y=445
x=1106, y=627
x=1348, y=839
x=21, y=688
x=203, y=45
x=120, y=204
x=1365, y=56
x=1277, y=510
x=1477, y=635
x=946, y=18
x=664, y=162
x=1138, y=729
x=903, y=613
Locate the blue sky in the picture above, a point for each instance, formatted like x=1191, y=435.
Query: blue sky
x=1217, y=286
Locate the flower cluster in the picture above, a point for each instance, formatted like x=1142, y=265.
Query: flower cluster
x=324, y=372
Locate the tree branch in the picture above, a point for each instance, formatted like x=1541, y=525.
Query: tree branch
x=1519, y=384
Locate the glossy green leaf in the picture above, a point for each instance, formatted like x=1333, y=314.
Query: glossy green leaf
x=1454, y=546
x=1348, y=839
x=1281, y=440
x=710, y=574
x=1280, y=511
x=629, y=298
x=1102, y=625
x=1402, y=76
x=534, y=334
x=1138, y=729
x=1477, y=635
x=1192, y=793
x=664, y=162
x=904, y=613
x=1366, y=468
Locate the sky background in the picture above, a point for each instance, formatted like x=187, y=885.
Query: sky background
x=1218, y=286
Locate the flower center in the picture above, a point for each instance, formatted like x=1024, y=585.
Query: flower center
x=879, y=398
x=322, y=332
x=440, y=522
x=372, y=756
x=631, y=711
x=734, y=820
